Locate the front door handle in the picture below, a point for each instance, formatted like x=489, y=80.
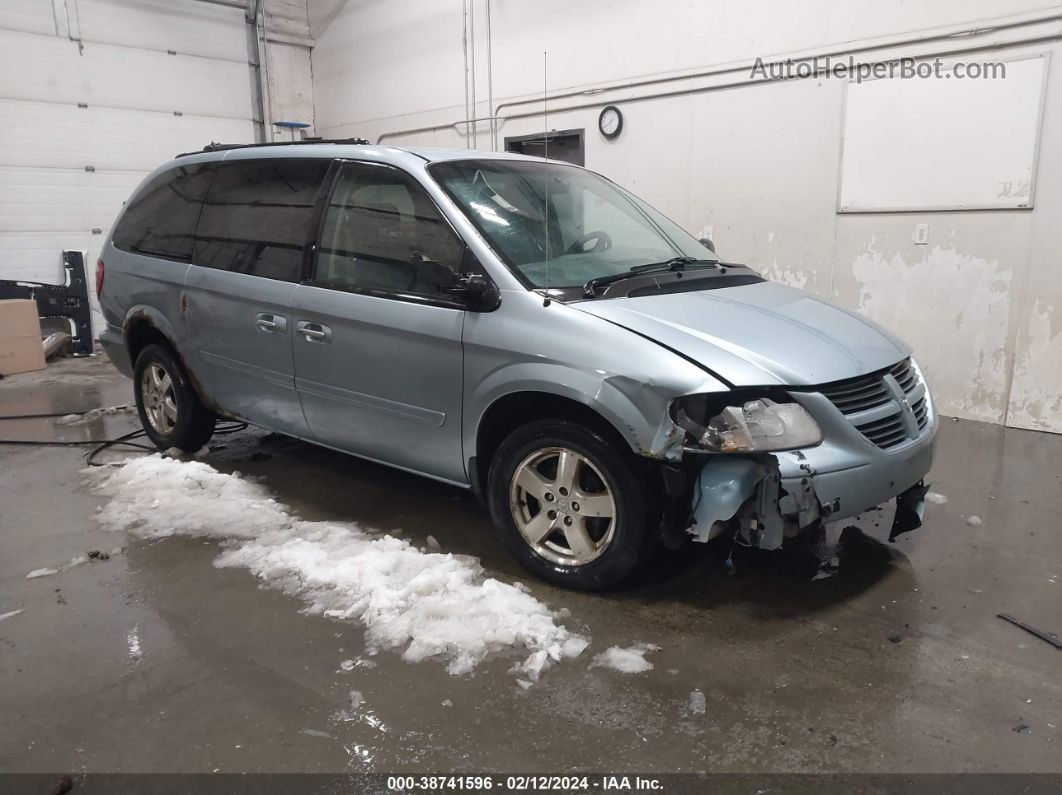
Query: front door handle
x=270, y=323
x=313, y=332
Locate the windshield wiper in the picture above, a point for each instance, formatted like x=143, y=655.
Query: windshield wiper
x=673, y=264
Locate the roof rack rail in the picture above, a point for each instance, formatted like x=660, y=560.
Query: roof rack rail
x=213, y=146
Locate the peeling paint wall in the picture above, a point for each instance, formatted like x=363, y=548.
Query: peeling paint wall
x=757, y=164
x=1036, y=388
x=1037, y=394
x=952, y=299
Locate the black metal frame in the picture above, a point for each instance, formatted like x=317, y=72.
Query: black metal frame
x=217, y=147
x=68, y=301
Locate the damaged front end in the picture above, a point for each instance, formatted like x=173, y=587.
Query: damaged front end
x=747, y=470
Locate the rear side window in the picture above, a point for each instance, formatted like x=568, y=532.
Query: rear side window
x=257, y=217
x=160, y=221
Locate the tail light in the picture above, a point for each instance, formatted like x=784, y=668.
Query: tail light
x=99, y=276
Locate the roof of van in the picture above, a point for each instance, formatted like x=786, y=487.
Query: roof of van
x=435, y=154
x=348, y=148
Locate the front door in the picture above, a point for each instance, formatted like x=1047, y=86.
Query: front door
x=247, y=260
x=377, y=340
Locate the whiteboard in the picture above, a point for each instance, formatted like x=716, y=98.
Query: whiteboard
x=942, y=143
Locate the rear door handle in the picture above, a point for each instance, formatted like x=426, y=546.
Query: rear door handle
x=313, y=332
x=270, y=323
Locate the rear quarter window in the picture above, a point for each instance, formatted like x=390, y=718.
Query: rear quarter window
x=160, y=221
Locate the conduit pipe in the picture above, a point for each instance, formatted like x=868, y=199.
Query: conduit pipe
x=744, y=67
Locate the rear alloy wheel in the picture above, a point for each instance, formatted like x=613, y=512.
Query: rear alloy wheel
x=160, y=404
x=170, y=410
x=569, y=504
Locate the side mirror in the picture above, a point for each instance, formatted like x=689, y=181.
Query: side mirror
x=707, y=243
x=474, y=289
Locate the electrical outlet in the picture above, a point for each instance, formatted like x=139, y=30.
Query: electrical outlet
x=921, y=234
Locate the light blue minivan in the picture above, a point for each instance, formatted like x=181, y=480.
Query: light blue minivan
x=521, y=327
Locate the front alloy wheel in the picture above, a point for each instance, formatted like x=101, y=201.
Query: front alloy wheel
x=562, y=506
x=570, y=502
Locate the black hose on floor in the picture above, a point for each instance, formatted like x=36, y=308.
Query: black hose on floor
x=125, y=440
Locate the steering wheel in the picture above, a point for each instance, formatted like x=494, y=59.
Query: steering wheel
x=603, y=243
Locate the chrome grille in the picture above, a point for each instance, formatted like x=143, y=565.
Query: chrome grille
x=921, y=412
x=857, y=399
x=905, y=375
x=858, y=394
x=887, y=432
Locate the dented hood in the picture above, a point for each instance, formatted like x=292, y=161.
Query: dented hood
x=760, y=334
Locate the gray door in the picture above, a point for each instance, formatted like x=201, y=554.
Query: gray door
x=240, y=336
x=247, y=260
x=377, y=340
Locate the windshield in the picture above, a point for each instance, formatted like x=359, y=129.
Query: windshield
x=560, y=226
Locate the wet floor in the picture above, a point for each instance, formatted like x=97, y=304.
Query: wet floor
x=155, y=660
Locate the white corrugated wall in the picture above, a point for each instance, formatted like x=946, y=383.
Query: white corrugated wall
x=94, y=94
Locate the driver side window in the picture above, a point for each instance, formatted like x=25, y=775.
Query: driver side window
x=382, y=233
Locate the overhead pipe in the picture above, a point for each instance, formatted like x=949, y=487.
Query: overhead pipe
x=256, y=59
x=682, y=92
x=240, y=4
x=472, y=49
x=464, y=49
x=744, y=68
x=490, y=84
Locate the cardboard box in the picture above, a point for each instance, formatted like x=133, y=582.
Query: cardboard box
x=21, y=349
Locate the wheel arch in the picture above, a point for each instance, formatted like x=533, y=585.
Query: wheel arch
x=145, y=326
x=616, y=417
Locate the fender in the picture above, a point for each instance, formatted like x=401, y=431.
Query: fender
x=637, y=410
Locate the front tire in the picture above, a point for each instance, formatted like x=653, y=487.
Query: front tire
x=169, y=409
x=569, y=504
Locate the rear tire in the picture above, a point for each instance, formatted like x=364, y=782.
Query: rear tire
x=169, y=409
x=569, y=505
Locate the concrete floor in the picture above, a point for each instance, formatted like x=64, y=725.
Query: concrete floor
x=898, y=663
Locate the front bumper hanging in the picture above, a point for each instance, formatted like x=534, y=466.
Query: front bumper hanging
x=751, y=492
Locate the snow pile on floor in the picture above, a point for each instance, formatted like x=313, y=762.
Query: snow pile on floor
x=936, y=498
x=427, y=604
x=45, y=572
x=90, y=416
x=697, y=704
x=132, y=640
x=48, y=571
x=629, y=661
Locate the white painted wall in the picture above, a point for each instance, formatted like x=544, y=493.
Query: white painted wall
x=755, y=162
